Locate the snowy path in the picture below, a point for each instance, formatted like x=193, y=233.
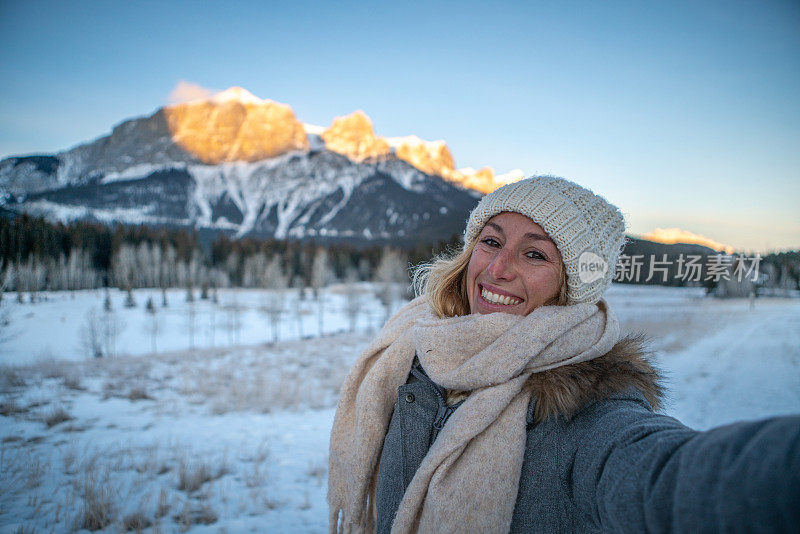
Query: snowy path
x=748, y=369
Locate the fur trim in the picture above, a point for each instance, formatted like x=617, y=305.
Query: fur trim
x=564, y=390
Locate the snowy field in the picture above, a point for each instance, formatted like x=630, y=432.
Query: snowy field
x=55, y=327
x=224, y=426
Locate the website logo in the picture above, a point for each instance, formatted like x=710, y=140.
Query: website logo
x=591, y=267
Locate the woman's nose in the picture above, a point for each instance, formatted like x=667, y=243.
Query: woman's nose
x=501, y=267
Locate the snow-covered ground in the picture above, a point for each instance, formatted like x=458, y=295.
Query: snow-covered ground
x=232, y=435
x=55, y=327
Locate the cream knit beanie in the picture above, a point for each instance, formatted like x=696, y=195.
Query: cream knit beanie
x=586, y=228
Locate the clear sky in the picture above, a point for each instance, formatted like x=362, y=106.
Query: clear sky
x=685, y=114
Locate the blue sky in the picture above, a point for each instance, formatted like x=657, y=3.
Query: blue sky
x=685, y=114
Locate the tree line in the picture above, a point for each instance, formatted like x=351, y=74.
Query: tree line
x=37, y=255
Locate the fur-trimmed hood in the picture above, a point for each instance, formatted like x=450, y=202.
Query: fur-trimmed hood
x=564, y=390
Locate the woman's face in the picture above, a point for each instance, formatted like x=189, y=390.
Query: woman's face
x=514, y=268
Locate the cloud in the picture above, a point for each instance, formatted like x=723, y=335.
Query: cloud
x=185, y=91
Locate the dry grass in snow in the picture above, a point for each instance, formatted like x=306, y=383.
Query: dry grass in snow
x=172, y=442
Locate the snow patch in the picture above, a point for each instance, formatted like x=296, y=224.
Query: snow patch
x=314, y=129
x=137, y=172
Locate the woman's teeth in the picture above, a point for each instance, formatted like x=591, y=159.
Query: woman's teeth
x=494, y=298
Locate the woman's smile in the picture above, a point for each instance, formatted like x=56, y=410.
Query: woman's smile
x=498, y=297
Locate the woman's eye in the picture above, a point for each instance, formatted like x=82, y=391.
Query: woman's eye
x=490, y=241
x=536, y=255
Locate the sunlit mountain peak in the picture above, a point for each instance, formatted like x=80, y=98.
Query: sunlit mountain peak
x=509, y=178
x=216, y=130
x=236, y=94
x=432, y=157
x=354, y=137
x=677, y=235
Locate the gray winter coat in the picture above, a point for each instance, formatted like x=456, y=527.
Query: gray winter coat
x=598, y=459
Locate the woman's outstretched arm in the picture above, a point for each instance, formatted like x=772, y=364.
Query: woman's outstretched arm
x=633, y=470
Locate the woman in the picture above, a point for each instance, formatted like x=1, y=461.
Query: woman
x=504, y=399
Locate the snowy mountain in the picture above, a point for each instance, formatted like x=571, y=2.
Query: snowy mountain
x=243, y=165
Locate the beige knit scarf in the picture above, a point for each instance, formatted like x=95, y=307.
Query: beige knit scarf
x=469, y=479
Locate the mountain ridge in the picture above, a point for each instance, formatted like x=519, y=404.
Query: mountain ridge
x=143, y=173
x=235, y=125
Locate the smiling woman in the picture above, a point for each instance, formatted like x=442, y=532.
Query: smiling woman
x=503, y=398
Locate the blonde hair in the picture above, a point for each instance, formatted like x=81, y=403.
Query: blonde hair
x=443, y=281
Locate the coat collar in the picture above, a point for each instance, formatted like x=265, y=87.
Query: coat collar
x=564, y=390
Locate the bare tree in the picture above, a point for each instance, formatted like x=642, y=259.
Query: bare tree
x=232, y=265
x=31, y=276
x=12, y=280
x=92, y=334
x=297, y=283
x=389, y=277
x=364, y=268
x=233, y=320
x=204, y=283
x=130, y=302
x=274, y=301
x=193, y=270
x=273, y=307
x=191, y=322
x=7, y=277
x=110, y=328
x=19, y=283
x=301, y=312
x=3, y=279
x=168, y=267
x=218, y=278
x=152, y=325
x=107, y=307
x=123, y=264
x=5, y=316
x=181, y=274
x=254, y=270
x=352, y=298
x=320, y=271
x=211, y=333
x=143, y=266
x=320, y=276
x=60, y=274
x=5, y=323
x=156, y=261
